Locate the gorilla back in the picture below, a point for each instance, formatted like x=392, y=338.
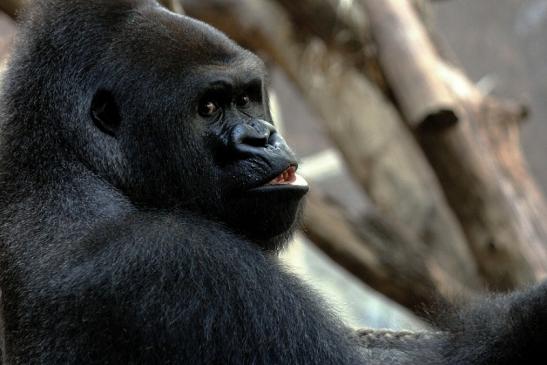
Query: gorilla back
x=144, y=192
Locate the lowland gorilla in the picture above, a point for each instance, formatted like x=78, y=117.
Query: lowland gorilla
x=144, y=192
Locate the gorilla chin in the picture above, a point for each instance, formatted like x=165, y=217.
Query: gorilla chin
x=269, y=213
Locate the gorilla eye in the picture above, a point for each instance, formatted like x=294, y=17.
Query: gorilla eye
x=208, y=108
x=243, y=101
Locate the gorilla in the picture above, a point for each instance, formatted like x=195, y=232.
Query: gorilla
x=144, y=194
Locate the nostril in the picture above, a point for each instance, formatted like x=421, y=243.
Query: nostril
x=262, y=133
x=256, y=141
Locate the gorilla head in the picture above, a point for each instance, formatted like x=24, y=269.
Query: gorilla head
x=169, y=128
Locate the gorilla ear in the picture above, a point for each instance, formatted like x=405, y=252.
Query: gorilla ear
x=105, y=112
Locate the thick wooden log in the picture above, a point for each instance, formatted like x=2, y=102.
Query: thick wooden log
x=423, y=98
x=381, y=153
x=478, y=160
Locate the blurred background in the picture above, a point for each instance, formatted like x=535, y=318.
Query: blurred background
x=422, y=130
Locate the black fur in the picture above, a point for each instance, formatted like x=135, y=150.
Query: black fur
x=133, y=225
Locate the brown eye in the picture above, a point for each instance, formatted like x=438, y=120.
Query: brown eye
x=208, y=108
x=243, y=101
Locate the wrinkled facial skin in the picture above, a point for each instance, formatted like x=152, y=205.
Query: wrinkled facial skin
x=202, y=138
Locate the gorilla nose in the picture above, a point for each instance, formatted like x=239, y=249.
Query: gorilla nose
x=248, y=137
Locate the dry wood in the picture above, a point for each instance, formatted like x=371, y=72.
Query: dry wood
x=379, y=150
x=478, y=161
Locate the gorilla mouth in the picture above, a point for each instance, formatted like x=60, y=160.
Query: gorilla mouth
x=288, y=177
x=284, y=182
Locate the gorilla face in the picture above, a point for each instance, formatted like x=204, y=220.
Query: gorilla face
x=200, y=137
